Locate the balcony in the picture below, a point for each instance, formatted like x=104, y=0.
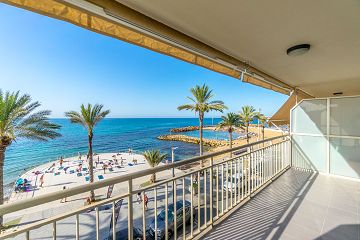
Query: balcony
x=210, y=191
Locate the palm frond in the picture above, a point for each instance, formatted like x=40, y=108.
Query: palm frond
x=89, y=116
x=154, y=157
x=18, y=119
x=201, y=96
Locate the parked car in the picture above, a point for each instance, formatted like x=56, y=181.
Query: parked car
x=231, y=185
x=123, y=234
x=161, y=219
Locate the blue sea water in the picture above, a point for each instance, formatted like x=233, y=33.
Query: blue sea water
x=111, y=135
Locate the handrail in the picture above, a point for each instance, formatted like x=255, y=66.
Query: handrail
x=45, y=198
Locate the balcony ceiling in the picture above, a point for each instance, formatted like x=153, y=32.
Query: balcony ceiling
x=260, y=32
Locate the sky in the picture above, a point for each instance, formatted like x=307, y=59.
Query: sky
x=63, y=66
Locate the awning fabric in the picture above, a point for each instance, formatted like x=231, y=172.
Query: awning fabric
x=258, y=82
x=86, y=18
x=282, y=116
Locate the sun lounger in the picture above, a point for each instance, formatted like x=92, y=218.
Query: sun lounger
x=72, y=171
x=130, y=164
x=111, y=169
x=87, y=178
x=101, y=177
x=79, y=174
x=57, y=173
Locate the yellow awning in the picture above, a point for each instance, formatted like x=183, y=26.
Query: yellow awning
x=282, y=116
x=265, y=84
x=111, y=18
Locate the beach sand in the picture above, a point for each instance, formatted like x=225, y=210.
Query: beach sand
x=55, y=183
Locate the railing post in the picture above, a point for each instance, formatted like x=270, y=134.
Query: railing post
x=77, y=236
x=130, y=210
x=211, y=190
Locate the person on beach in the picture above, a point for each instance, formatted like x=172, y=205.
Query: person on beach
x=61, y=161
x=138, y=198
x=64, y=199
x=122, y=162
x=146, y=201
x=129, y=151
x=104, y=167
x=42, y=180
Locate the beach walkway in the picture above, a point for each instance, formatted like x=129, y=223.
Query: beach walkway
x=55, y=178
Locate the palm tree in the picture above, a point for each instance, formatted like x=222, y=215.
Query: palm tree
x=247, y=115
x=18, y=120
x=262, y=120
x=89, y=117
x=153, y=157
x=230, y=121
x=201, y=103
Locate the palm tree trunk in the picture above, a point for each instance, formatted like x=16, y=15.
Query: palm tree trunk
x=2, y=158
x=91, y=166
x=247, y=132
x=201, y=118
x=231, y=139
x=263, y=133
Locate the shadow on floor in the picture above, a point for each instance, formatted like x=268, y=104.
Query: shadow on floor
x=344, y=232
x=267, y=214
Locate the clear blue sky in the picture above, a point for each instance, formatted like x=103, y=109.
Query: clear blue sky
x=63, y=66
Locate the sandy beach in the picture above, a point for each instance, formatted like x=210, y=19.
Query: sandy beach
x=55, y=178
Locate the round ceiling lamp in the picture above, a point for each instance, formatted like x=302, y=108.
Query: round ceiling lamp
x=298, y=50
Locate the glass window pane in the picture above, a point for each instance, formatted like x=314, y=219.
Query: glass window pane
x=310, y=117
x=345, y=116
x=309, y=152
x=345, y=157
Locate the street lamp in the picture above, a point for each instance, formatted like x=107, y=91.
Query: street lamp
x=173, y=173
x=173, y=159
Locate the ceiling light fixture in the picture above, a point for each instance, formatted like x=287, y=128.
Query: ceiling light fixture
x=298, y=49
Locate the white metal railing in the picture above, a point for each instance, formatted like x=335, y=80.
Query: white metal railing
x=204, y=194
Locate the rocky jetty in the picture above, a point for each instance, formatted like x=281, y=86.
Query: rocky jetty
x=188, y=139
x=185, y=129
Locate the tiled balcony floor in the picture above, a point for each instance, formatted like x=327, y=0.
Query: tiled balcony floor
x=298, y=205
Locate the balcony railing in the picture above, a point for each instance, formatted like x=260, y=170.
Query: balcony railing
x=203, y=194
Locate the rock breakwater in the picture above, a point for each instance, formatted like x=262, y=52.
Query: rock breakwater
x=185, y=129
x=195, y=140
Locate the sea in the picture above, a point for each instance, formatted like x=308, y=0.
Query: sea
x=110, y=135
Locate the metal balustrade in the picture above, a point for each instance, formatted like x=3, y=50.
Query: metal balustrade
x=204, y=194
